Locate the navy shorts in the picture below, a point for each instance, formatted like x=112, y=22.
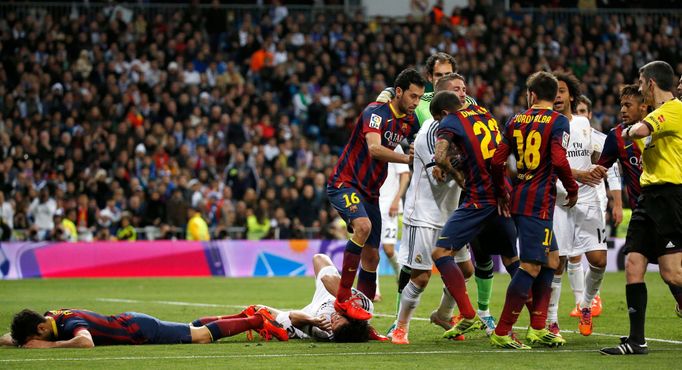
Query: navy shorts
x=156, y=331
x=536, y=238
x=496, y=233
x=351, y=205
x=498, y=237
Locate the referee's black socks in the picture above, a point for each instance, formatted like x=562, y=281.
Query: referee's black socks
x=636, y=296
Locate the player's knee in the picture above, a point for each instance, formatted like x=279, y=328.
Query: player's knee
x=439, y=252
x=672, y=276
x=421, y=279
x=635, y=269
x=467, y=268
x=361, y=227
x=389, y=249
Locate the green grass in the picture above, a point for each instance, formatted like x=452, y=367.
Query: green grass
x=222, y=296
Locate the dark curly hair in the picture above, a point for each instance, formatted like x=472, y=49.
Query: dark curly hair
x=356, y=331
x=25, y=325
x=440, y=57
x=573, y=87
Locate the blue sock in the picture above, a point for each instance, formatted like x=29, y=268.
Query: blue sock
x=513, y=267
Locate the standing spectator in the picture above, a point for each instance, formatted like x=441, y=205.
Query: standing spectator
x=6, y=217
x=42, y=210
x=197, y=229
x=257, y=224
x=177, y=210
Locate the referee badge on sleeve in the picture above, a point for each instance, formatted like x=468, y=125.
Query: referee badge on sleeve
x=564, y=140
x=375, y=121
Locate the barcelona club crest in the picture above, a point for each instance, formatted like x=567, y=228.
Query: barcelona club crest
x=353, y=208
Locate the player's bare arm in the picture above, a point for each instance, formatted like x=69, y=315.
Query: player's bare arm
x=300, y=319
x=82, y=339
x=637, y=131
x=442, y=160
x=6, y=340
x=404, y=183
x=381, y=153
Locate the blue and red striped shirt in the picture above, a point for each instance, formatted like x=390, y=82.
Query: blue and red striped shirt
x=630, y=156
x=118, y=329
x=475, y=132
x=538, y=139
x=356, y=167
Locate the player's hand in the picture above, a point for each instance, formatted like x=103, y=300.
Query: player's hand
x=571, y=200
x=393, y=210
x=438, y=174
x=459, y=178
x=589, y=177
x=617, y=215
x=321, y=323
x=598, y=171
x=386, y=95
x=37, y=343
x=504, y=205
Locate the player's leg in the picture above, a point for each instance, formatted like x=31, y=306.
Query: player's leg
x=367, y=276
x=444, y=316
x=670, y=267
x=409, y=301
x=563, y=233
x=461, y=227
x=351, y=207
x=576, y=276
x=389, y=237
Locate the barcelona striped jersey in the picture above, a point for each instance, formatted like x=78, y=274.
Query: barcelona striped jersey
x=616, y=148
x=475, y=133
x=117, y=329
x=356, y=168
x=538, y=139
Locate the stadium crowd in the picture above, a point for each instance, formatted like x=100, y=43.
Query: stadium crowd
x=118, y=121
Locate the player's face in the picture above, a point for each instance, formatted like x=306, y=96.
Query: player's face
x=409, y=99
x=338, y=321
x=630, y=110
x=460, y=89
x=440, y=69
x=583, y=111
x=562, y=102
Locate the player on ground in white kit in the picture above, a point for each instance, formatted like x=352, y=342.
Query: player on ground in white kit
x=391, y=205
x=578, y=230
x=613, y=179
x=319, y=320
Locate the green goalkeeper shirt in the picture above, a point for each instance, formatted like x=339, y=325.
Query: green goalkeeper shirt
x=423, y=113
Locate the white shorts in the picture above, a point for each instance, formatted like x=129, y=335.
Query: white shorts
x=417, y=244
x=580, y=229
x=389, y=229
x=321, y=295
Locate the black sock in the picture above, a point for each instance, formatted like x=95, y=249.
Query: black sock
x=677, y=293
x=404, y=278
x=636, y=297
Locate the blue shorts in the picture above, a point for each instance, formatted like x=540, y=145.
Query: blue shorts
x=536, y=238
x=496, y=233
x=351, y=205
x=156, y=331
x=498, y=237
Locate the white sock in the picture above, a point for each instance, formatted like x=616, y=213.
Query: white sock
x=576, y=277
x=409, y=301
x=394, y=263
x=447, y=305
x=485, y=313
x=593, y=280
x=377, y=291
x=554, y=300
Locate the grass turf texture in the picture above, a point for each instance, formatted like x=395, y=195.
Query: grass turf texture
x=186, y=299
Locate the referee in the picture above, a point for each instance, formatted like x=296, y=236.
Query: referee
x=655, y=231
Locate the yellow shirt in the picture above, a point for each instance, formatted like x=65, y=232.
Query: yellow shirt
x=256, y=230
x=70, y=227
x=197, y=229
x=662, y=154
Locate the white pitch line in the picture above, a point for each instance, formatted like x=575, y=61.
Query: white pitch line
x=308, y=354
x=192, y=304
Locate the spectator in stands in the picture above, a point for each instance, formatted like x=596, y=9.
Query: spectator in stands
x=42, y=211
x=197, y=229
x=126, y=231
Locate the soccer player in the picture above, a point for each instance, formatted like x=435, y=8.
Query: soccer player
x=353, y=186
x=391, y=205
x=538, y=139
x=578, y=230
x=657, y=218
x=473, y=133
x=75, y=328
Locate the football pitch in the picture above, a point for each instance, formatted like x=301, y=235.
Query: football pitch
x=184, y=300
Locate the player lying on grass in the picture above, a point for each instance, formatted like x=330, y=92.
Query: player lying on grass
x=73, y=328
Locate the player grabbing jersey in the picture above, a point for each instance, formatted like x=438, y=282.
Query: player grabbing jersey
x=538, y=139
x=353, y=186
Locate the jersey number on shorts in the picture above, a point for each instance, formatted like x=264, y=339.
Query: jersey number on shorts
x=488, y=131
x=391, y=233
x=601, y=233
x=548, y=237
x=529, y=152
x=351, y=199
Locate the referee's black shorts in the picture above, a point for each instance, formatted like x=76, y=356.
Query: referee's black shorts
x=656, y=224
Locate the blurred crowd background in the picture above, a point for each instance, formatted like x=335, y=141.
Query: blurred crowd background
x=122, y=121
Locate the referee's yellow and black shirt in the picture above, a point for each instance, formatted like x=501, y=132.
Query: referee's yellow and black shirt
x=662, y=154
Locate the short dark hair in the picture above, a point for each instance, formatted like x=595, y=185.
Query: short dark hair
x=440, y=57
x=25, y=325
x=407, y=77
x=444, y=100
x=573, y=87
x=631, y=90
x=355, y=331
x=661, y=72
x=447, y=78
x=543, y=84
x=585, y=100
